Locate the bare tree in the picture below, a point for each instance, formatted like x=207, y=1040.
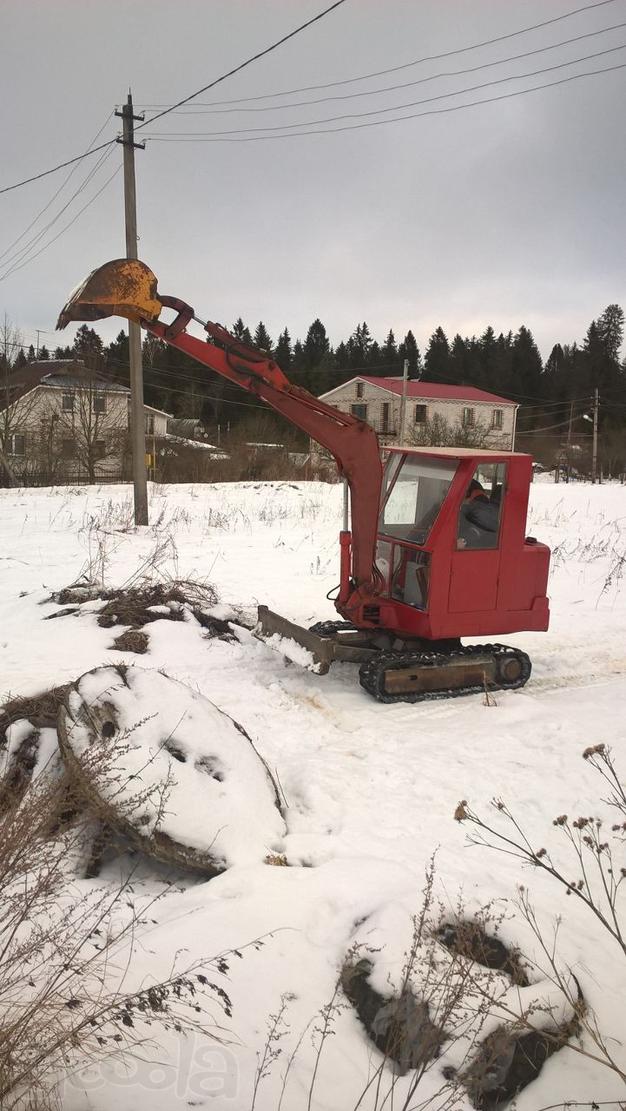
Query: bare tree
x=15, y=410
x=439, y=432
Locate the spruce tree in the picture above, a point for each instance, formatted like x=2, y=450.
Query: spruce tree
x=341, y=359
x=44, y=354
x=316, y=346
x=31, y=356
x=88, y=347
x=262, y=338
x=297, y=359
x=374, y=357
x=389, y=352
x=437, y=358
x=611, y=331
x=283, y=353
x=526, y=365
x=458, y=359
x=408, y=349
x=488, y=359
x=241, y=331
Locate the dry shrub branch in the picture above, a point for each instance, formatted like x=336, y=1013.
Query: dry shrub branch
x=66, y=949
x=594, y=875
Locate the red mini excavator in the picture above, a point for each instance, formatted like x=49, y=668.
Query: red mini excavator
x=435, y=549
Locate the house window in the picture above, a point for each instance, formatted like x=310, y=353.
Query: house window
x=359, y=389
x=67, y=403
x=99, y=449
x=100, y=404
x=359, y=411
x=67, y=449
x=496, y=418
x=17, y=444
x=421, y=413
x=468, y=418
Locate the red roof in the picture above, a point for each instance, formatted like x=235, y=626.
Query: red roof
x=417, y=388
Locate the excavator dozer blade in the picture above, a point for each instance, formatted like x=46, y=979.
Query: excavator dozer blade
x=319, y=651
x=122, y=287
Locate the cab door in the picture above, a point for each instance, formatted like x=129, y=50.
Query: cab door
x=475, y=565
x=474, y=581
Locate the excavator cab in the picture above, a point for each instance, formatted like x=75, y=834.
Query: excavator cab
x=436, y=547
x=451, y=546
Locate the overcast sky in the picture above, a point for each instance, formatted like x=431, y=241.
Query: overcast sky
x=507, y=213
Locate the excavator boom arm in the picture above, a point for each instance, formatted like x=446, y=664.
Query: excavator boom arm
x=128, y=288
x=352, y=443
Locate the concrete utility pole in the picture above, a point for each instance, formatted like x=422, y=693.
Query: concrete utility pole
x=137, y=412
x=405, y=384
x=569, y=440
x=594, y=455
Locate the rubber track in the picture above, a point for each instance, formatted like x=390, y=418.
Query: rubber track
x=372, y=673
x=331, y=628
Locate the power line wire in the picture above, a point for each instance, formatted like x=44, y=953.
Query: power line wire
x=185, y=100
x=401, y=107
x=66, y=227
x=19, y=256
x=248, y=62
x=61, y=166
x=420, y=61
x=409, y=84
x=397, y=119
x=182, y=373
x=54, y=196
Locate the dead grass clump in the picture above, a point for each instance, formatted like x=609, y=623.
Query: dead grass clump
x=217, y=626
x=277, y=860
x=40, y=709
x=140, y=604
x=76, y=595
x=133, y=640
x=135, y=606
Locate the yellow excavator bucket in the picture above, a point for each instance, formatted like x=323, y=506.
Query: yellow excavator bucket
x=123, y=287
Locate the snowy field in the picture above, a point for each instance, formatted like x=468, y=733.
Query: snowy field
x=371, y=790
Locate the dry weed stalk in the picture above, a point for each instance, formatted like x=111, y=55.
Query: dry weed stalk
x=598, y=876
x=65, y=952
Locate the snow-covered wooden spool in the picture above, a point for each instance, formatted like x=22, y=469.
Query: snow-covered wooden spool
x=163, y=765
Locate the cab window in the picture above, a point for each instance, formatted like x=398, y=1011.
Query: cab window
x=415, y=490
x=481, y=509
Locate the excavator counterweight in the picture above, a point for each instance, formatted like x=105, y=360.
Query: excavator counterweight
x=122, y=287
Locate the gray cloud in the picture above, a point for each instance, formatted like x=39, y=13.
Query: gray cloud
x=506, y=213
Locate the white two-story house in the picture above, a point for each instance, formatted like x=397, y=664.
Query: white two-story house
x=59, y=421
x=428, y=404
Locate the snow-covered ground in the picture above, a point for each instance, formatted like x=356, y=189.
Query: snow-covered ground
x=371, y=789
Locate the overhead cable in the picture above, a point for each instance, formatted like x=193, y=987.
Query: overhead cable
x=248, y=62
x=55, y=195
x=211, y=85
x=65, y=228
x=420, y=61
x=401, y=107
x=226, y=138
x=12, y=262
x=195, y=111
